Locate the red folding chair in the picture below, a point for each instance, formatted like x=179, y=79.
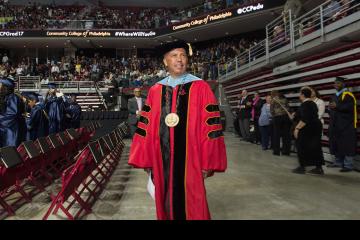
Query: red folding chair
x=34, y=164
x=12, y=173
x=50, y=156
x=75, y=180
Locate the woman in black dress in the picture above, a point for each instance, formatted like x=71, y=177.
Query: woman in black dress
x=308, y=135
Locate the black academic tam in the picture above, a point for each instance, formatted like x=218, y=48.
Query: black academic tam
x=165, y=48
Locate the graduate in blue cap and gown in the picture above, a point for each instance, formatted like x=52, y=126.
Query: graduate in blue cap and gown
x=73, y=113
x=37, y=122
x=10, y=114
x=23, y=109
x=55, y=109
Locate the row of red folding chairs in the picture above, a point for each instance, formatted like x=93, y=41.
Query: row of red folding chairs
x=83, y=181
x=37, y=163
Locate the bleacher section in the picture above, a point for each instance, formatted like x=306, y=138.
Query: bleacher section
x=92, y=101
x=318, y=71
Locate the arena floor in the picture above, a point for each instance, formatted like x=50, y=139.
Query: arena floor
x=257, y=185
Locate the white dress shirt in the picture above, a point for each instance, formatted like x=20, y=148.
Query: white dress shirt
x=139, y=103
x=321, y=108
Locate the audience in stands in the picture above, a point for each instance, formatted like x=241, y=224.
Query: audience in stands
x=279, y=38
x=128, y=72
x=331, y=10
x=296, y=8
x=37, y=16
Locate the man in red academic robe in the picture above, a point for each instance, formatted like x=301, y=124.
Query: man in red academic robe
x=179, y=139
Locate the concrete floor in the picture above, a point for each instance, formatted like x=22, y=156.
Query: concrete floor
x=257, y=185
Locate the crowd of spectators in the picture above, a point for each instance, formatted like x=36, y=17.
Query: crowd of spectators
x=127, y=72
x=333, y=11
x=124, y=72
x=208, y=60
x=36, y=16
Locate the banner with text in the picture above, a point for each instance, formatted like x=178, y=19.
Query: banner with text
x=78, y=34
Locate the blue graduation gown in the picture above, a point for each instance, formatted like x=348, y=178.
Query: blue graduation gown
x=55, y=110
x=37, y=123
x=22, y=123
x=9, y=121
x=74, y=110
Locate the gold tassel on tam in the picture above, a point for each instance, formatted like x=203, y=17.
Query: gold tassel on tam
x=190, y=49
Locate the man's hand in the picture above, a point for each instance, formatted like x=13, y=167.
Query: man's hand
x=207, y=173
x=147, y=170
x=138, y=114
x=296, y=133
x=292, y=115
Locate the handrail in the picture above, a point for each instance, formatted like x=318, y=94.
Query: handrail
x=100, y=94
x=287, y=34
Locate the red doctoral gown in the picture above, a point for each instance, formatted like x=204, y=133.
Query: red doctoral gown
x=178, y=155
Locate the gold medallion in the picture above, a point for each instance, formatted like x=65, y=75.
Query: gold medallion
x=172, y=119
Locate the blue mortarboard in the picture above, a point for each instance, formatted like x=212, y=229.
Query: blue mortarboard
x=33, y=96
x=25, y=94
x=7, y=82
x=52, y=86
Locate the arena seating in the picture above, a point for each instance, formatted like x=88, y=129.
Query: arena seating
x=318, y=71
x=84, y=181
x=35, y=165
x=93, y=101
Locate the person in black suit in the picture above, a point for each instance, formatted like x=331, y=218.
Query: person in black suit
x=245, y=107
x=135, y=105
